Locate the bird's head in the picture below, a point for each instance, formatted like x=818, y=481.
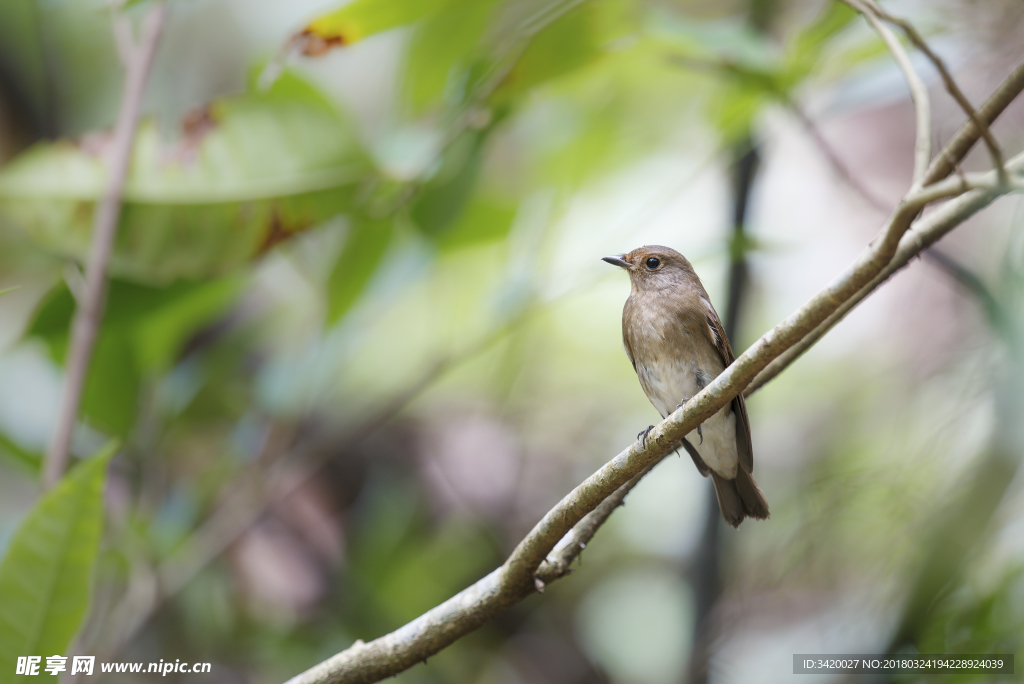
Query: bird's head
x=653, y=267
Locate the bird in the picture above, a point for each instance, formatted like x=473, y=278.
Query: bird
x=677, y=345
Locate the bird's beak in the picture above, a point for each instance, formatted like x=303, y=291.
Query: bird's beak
x=617, y=260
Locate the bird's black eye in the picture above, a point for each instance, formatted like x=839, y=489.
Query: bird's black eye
x=653, y=263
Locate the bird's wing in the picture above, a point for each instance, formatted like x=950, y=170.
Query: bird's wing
x=625, y=334
x=739, y=406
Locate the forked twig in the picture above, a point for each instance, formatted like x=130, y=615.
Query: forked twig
x=947, y=78
x=918, y=91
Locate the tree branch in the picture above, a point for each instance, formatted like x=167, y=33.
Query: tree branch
x=557, y=563
x=89, y=310
x=925, y=233
x=947, y=79
x=932, y=227
x=960, y=144
x=543, y=555
x=944, y=164
x=516, y=578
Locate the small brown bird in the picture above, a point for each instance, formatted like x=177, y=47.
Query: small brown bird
x=676, y=342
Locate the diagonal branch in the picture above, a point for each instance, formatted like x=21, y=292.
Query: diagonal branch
x=89, y=311
x=960, y=144
x=943, y=164
x=517, y=577
x=924, y=234
x=542, y=555
x=557, y=564
x=832, y=157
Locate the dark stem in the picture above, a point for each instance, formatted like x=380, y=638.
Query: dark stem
x=706, y=564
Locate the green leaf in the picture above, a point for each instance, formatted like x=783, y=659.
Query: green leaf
x=442, y=52
x=247, y=172
x=159, y=336
x=444, y=196
x=46, y=576
x=364, y=18
x=804, y=54
x=364, y=249
x=566, y=44
x=484, y=220
x=144, y=329
x=110, y=397
x=15, y=453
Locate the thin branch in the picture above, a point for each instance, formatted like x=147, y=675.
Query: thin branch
x=960, y=144
x=516, y=578
x=926, y=232
x=833, y=158
x=89, y=310
x=943, y=165
x=918, y=91
x=558, y=562
x=962, y=182
x=947, y=79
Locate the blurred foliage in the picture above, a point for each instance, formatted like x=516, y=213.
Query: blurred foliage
x=246, y=173
x=379, y=244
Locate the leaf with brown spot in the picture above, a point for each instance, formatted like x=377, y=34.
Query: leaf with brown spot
x=361, y=19
x=246, y=173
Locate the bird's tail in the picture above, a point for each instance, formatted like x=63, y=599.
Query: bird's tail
x=739, y=498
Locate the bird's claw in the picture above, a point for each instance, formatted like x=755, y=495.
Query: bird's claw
x=699, y=433
x=642, y=436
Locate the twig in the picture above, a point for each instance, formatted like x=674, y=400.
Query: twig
x=925, y=233
x=962, y=182
x=918, y=91
x=960, y=144
x=89, y=311
x=838, y=166
x=558, y=562
x=951, y=86
x=944, y=164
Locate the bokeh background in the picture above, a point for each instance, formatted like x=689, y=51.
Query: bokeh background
x=359, y=337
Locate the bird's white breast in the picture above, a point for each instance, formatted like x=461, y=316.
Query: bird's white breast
x=667, y=381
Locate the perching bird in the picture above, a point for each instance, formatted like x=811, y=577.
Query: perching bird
x=676, y=342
